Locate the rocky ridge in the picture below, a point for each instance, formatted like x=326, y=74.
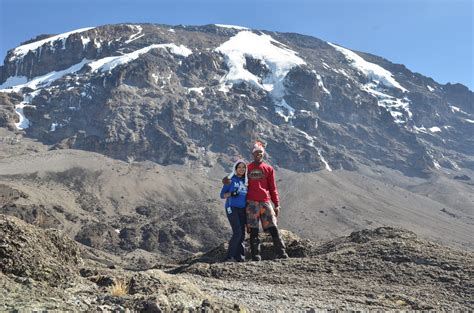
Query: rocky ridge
x=383, y=268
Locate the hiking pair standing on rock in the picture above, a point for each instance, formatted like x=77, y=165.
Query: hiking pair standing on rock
x=248, y=191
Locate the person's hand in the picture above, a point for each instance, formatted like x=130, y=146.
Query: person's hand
x=226, y=180
x=277, y=210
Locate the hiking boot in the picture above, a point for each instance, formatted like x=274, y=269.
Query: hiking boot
x=255, y=249
x=279, y=246
x=255, y=245
x=282, y=255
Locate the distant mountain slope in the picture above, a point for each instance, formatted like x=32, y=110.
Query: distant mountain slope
x=202, y=94
x=170, y=212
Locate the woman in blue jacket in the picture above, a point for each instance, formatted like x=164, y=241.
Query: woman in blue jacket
x=235, y=194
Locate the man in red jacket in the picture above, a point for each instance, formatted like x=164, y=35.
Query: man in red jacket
x=261, y=189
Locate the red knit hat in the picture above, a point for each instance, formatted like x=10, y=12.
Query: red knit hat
x=258, y=146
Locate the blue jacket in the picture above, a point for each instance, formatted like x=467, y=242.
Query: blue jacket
x=236, y=183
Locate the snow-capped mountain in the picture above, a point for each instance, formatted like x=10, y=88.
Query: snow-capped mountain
x=202, y=94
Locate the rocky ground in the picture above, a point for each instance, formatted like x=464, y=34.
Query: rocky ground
x=43, y=270
x=384, y=268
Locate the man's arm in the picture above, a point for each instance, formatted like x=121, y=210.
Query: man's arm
x=225, y=191
x=273, y=190
x=226, y=180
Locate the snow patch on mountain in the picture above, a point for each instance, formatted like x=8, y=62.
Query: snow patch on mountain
x=421, y=129
x=23, y=122
x=137, y=34
x=398, y=108
x=434, y=129
x=23, y=50
x=454, y=109
x=436, y=164
x=320, y=83
x=109, y=63
x=343, y=72
x=380, y=79
x=373, y=71
x=85, y=42
x=310, y=140
x=197, y=90
x=284, y=110
x=11, y=82
x=16, y=83
x=97, y=44
x=326, y=164
x=278, y=58
x=232, y=26
x=53, y=127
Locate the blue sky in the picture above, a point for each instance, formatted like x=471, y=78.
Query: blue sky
x=431, y=37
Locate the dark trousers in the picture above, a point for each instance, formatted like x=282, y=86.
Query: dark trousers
x=237, y=219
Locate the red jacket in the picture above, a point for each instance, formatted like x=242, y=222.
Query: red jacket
x=262, y=186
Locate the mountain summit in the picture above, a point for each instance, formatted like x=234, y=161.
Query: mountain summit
x=202, y=94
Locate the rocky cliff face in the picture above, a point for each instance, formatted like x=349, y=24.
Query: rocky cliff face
x=203, y=94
